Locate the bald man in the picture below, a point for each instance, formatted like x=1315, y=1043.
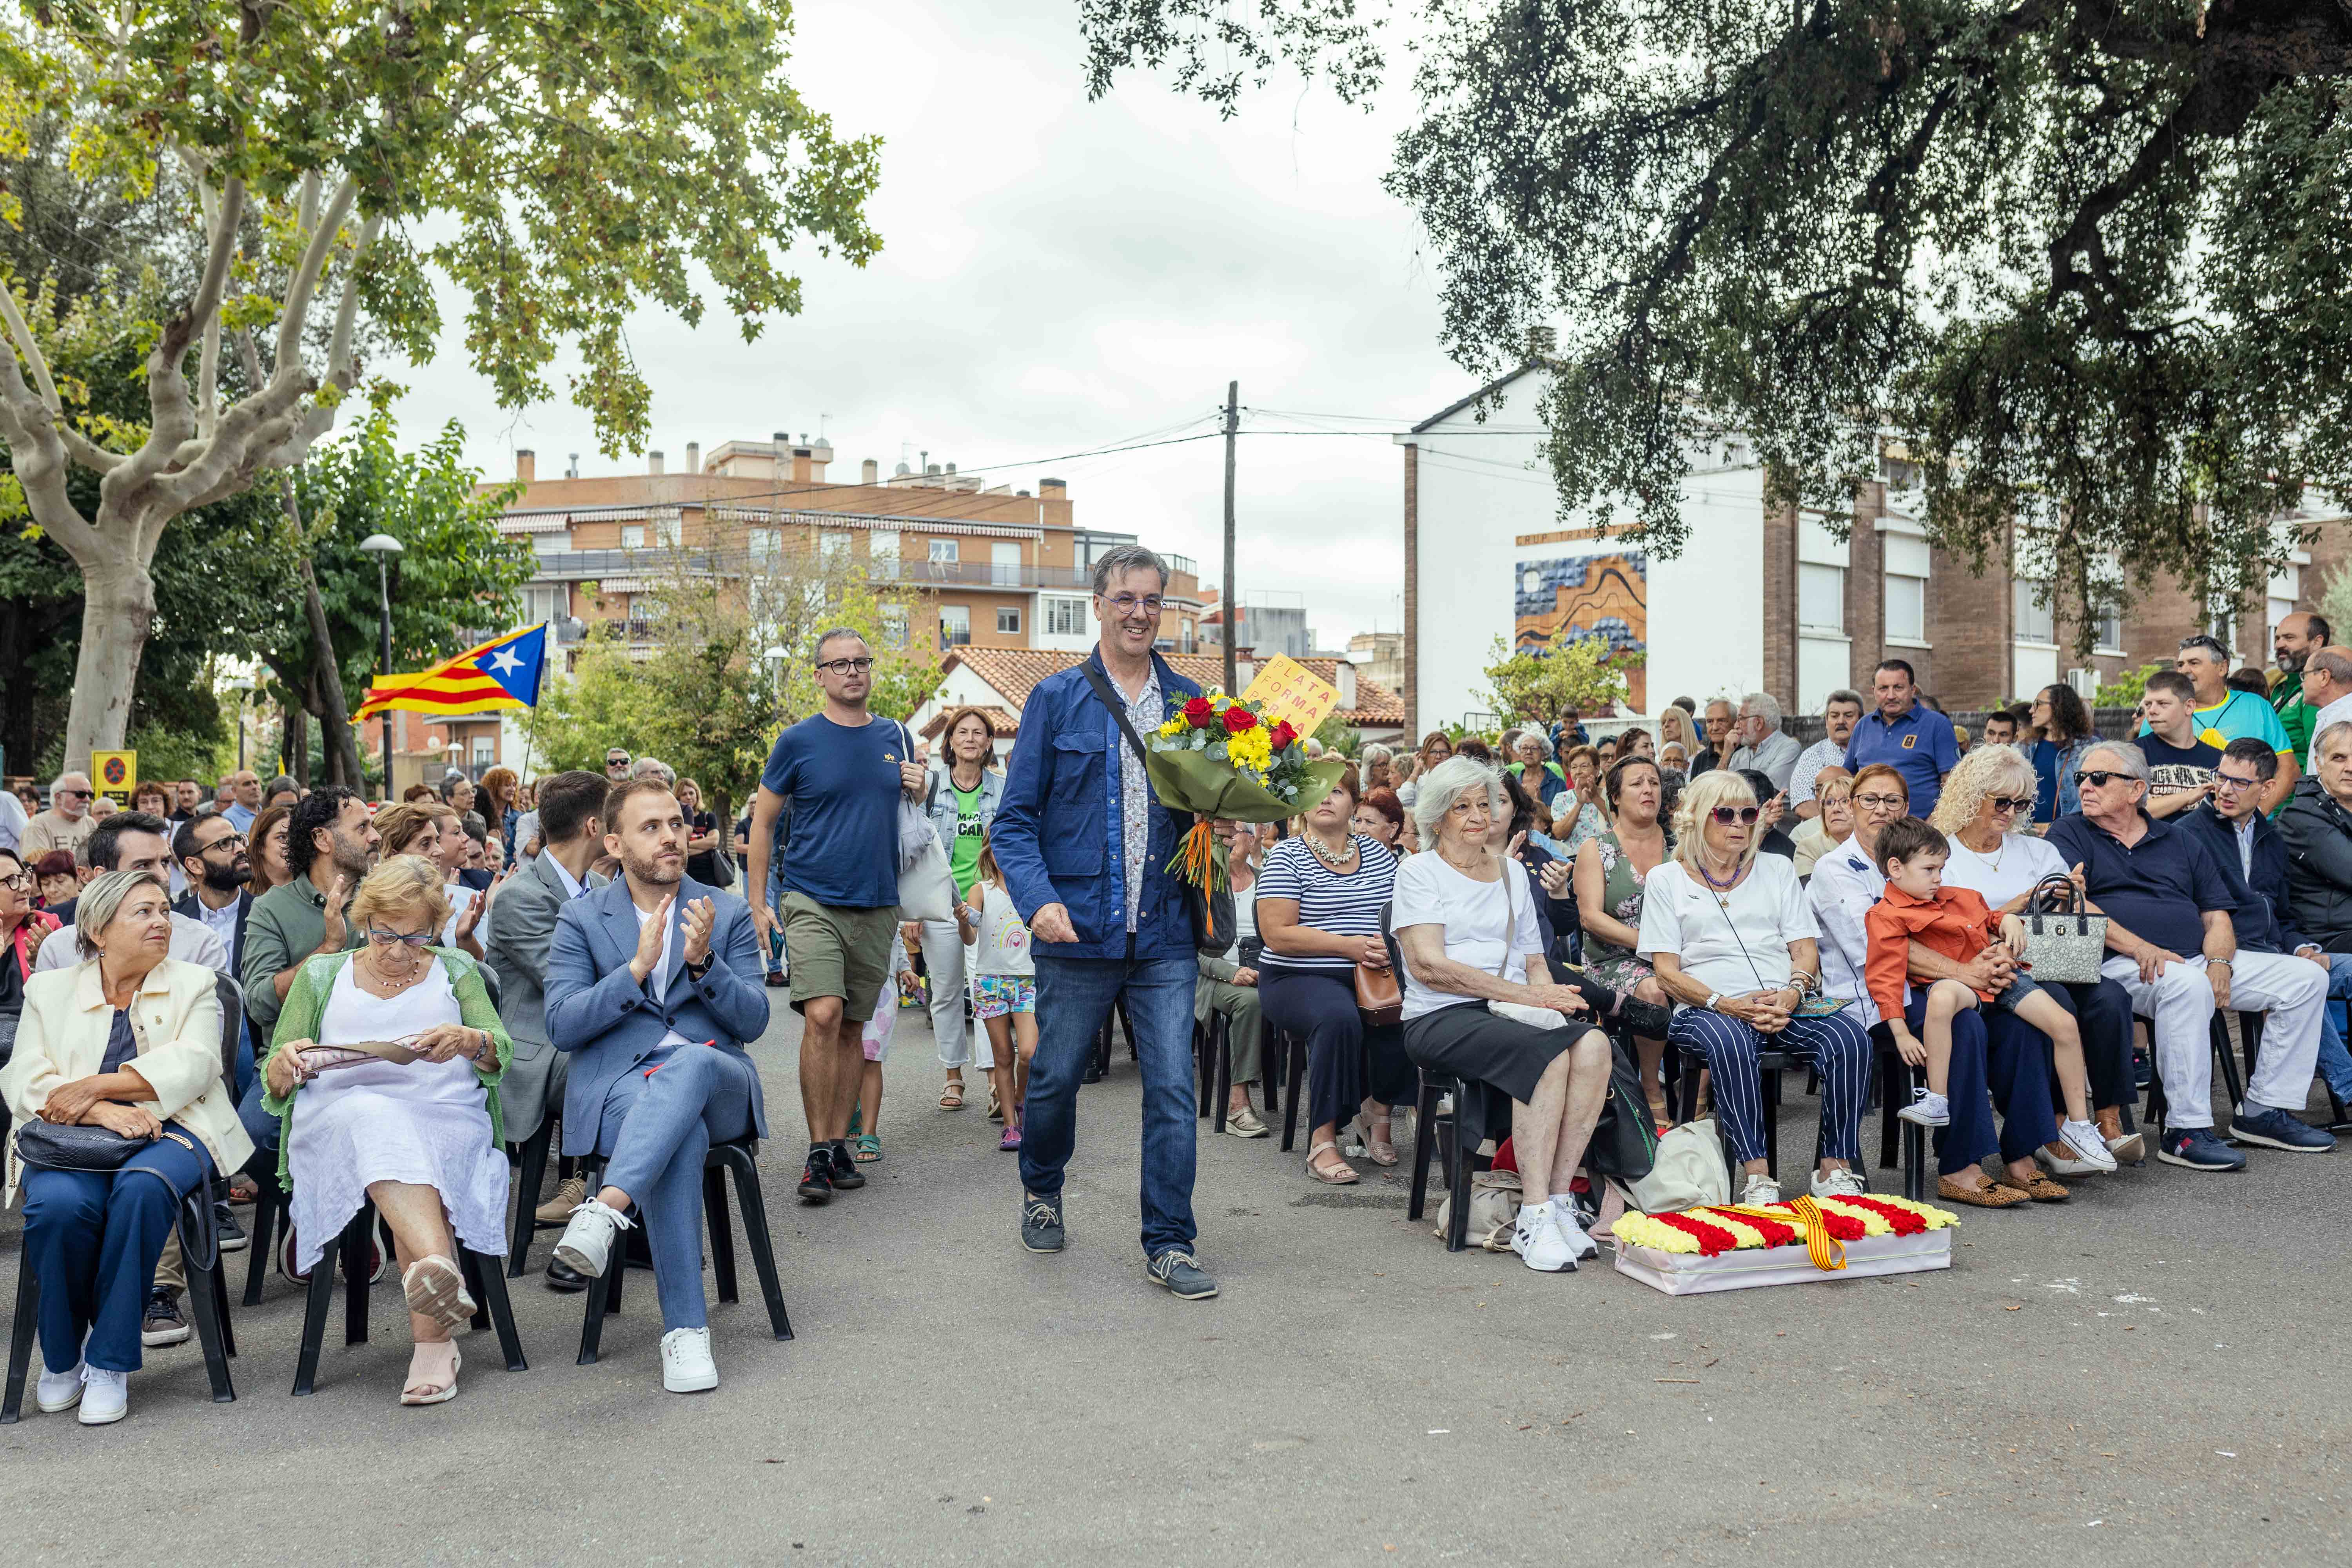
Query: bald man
x=2299, y=636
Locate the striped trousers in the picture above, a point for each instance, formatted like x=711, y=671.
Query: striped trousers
x=1838, y=1045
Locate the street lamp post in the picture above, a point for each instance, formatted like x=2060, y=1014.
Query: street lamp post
x=384, y=547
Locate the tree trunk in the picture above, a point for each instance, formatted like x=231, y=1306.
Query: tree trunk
x=298, y=744
x=118, y=610
x=341, y=744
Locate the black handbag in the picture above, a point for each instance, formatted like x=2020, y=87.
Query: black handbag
x=55, y=1146
x=1624, y=1142
x=1212, y=913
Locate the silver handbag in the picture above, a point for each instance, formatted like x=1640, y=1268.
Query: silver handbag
x=2064, y=943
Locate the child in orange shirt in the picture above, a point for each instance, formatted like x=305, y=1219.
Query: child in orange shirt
x=1956, y=923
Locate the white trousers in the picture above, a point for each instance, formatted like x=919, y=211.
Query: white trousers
x=2178, y=1005
x=944, y=961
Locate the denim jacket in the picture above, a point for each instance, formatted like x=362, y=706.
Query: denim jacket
x=940, y=791
x=1057, y=832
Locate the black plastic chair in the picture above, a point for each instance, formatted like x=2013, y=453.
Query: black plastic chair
x=1894, y=1075
x=488, y=1286
x=1213, y=1054
x=1461, y=1129
x=207, y=1300
x=532, y=1157
x=603, y=1292
x=2224, y=1058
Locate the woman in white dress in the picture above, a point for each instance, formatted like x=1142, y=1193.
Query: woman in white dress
x=420, y=1137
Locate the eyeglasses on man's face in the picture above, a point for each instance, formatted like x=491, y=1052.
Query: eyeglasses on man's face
x=2098, y=778
x=228, y=844
x=620, y=759
x=2231, y=783
x=846, y=666
x=2211, y=645
x=77, y=793
x=1132, y=604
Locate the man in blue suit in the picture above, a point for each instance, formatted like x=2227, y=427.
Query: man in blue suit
x=654, y=988
x=1084, y=844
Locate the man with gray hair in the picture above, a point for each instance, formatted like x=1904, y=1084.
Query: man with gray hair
x=1840, y=712
x=68, y=823
x=2171, y=945
x=2326, y=675
x=654, y=768
x=1764, y=747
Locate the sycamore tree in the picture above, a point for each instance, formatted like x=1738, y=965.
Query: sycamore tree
x=2083, y=271
x=555, y=165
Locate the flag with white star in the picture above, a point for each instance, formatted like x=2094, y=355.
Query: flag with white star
x=503, y=672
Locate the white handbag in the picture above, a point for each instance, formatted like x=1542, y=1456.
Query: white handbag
x=1689, y=1170
x=926, y=882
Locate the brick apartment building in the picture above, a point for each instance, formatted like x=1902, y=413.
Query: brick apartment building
x=987, y=566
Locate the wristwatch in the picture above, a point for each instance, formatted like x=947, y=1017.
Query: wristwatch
x=1712, y=998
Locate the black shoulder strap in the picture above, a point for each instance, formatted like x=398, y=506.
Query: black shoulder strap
x=1110, y=699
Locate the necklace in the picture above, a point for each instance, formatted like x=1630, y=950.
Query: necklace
x=1722, y=890
x=390, y=984
x=1333, y=860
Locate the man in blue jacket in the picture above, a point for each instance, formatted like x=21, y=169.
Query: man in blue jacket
x=2252, y=856
x=1084, y=844
x=654, y=988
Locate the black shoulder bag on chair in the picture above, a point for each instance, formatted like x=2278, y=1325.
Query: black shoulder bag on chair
x=1212, y=913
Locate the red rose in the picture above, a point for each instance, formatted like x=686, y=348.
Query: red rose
x=1199, y=713
x=1283, y=735
x=1238, y=718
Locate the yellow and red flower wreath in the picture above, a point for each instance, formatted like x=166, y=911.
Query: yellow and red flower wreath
x=1717, y=1228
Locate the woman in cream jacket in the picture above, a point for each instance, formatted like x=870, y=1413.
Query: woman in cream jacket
x=127, y=1039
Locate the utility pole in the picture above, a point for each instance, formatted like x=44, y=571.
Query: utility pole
x=1232, y=616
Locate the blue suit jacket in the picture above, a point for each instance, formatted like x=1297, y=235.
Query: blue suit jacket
x=2259, y=909
x=608, y=1023
x=1058, y=830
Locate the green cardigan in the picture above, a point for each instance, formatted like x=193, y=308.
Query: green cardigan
x=305, y=1005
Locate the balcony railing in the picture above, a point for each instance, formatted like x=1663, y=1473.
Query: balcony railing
x=589, y=565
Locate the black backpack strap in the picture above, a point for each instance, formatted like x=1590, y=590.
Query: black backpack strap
x=1110, y=699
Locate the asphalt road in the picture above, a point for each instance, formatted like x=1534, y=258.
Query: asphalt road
x=2152, y=1370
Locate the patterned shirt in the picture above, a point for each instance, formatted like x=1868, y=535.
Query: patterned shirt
x=1147, y=713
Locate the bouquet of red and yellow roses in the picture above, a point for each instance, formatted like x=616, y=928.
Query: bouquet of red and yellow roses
x=1219, y=757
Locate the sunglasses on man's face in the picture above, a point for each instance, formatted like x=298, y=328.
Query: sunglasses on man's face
x=2098, y=778
x=1727, y=815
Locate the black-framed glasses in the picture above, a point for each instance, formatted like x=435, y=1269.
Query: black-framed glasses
x=2231, y=783
x=2005, y=803
x=383, y=938
x=2097, y=778
x=22, y=882
x=1875, y=801
x=1727, y=815
x=846, y=666
x=2211, y=643
x=620, y=761
x=227, y=841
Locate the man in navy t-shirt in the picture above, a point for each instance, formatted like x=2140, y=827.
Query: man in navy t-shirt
x=1906, y=735
x=842, y=770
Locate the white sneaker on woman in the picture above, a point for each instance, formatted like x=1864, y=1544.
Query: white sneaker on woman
x=57, y=1390
x=1839, y=1184
x=587, y=1243
x=1759, y=1191
x=686, y=1366
x=105, y=1396
x=1538, y=1240
x=2089, y=1146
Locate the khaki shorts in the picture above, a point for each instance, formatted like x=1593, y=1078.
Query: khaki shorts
x=836, y=952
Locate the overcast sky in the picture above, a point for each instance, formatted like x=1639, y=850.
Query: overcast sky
x=1058, y=275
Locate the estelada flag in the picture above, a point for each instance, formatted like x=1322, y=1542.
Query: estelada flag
x=503, y=672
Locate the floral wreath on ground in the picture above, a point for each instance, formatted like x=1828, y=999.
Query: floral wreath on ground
x=1715, y=1228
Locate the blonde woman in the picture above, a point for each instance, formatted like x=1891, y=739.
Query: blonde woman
x=1733, y=943
x=419, y=1134
x=1832, y=826
x=431, y=831
x=1676, y=728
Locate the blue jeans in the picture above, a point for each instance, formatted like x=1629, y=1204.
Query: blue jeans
x=656, y=1132
x=93, y=1236
x=2000, y=1062
x=1073, y=997
x=2334, y=1061
x=264, y=1129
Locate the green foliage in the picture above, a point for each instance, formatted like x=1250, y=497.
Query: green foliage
x=2082, y=270
x=2126, y=689
x=1535, y=684
x=166, y=753
x=2336, y=599
x=1336, y=737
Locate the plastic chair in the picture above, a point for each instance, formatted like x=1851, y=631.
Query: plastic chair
x=207, y=1300
x=1212, y=1051
x=488, y=1286
x=603, y=1292
x=1463, y=1128
x=533, y=1156
x=2224, y=1058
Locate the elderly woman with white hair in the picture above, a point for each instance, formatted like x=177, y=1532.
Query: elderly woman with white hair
x=1480, y=1002
x=1731, y=939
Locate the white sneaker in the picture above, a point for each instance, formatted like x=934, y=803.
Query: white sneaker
x=1759, y=1191
x=1927, y=1109
x=1579, y=1241
x=2089, y=1147
x=587, y=1243
x=105, y=1396
x=57, y=1390
x=1839, y=1184
x=1538, y=1240
x=686, y=1366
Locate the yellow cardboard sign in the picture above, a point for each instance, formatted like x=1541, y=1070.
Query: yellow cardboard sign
x=115, y=773
x=1287, y=688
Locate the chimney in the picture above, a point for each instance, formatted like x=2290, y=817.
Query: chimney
x=526, y=464
x=1052, y=490
x=652, y=462
x=869, y=472
x=1347, y=684
x=820, y=458
x=1543, y=344
x=801, y=465
x=574, y=471
x=951, y=470
x=694, y=456
x=781, y=444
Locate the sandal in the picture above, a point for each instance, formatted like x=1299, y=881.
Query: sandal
x=436, y=1290
x=952, y=1096
x=427, y=1383
x=1379, y=1151
x=1990, y=1196
x=995, y=1105
x=869, y=1148
x=1328, y=1178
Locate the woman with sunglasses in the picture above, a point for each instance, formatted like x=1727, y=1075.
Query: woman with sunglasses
x=1985, y=802
x=419, y=1133
x=1732, y=940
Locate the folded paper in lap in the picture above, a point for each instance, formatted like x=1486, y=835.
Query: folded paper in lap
x=1733, y=1247
x=327, y=1059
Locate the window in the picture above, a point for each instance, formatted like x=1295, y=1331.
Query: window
x=1821, y=598
x=2035, y=621
x=632, y=536
x=834, y=548
x=544, y=602
x=1064, y=616
x=894, y=625
x=882, y=554
x=668, y=532
x=1008, y=620
x=1005, y=562
x=944, y=553
x=485, y=751
x=1906, y=608
x=955, y=624
x=2111, y=627
x=766, y=543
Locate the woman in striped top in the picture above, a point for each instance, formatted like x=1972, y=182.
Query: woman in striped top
x=1318, y=912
